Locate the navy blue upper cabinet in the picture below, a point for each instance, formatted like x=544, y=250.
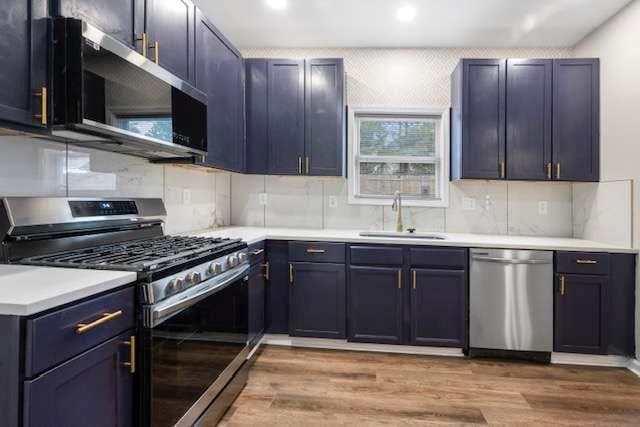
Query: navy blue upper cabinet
x=24, y=36
x=438, y=307
x=324, y=124
x=256, y=117
x=122, y=19
x=529, y=119
x=219, y=73
x=576, y=119
x=285, y=116
x=478, y=89
x=170, y=30
x=94, y=388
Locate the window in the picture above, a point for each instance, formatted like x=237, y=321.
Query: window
x=399, y=150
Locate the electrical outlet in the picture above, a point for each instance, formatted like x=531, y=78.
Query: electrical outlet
x=186, y=196
x=262, y=199
x=468, y=203
x=543, y=207
x=333, y=202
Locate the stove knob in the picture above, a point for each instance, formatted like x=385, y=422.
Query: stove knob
x=194, y=278
x=242, y=257
x=215, y=268
x=232, y=260
x=174, y=286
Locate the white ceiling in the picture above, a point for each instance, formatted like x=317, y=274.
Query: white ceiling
x=438, y=23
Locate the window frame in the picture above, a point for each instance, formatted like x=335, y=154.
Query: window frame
x=402, y=113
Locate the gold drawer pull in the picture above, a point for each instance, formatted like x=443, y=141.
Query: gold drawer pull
x=132, y=354
x=399, y=279
x=562, y=290
x=291, y=273
x=266, y=270
x=549, y=167
x=558, y=171
x=143, y=39
x=43, y=106
x=156, y=52
x=81, y=328
x=586, y=261
x=315, y=251
x=257, y=252
x=414, y=279
x=502, y=170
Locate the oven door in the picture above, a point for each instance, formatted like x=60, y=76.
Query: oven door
x=193, y=345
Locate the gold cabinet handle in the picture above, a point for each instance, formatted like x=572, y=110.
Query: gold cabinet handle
x=81, y=328
x=502, y=169
x=257, y=252
x=266, y=270
x=315, y=251
x=558, y=170
x=156, y=52
x=132, y=354
x=291, y=273
x=399, y=279
x=562, y=285
x=306, y=161
x=413, y=279
x=299, y=165
x=586, y=261
x=43, y=106
x=143, y=39
x=549, y=167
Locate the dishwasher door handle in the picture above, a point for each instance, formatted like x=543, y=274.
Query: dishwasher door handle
x=510, y=260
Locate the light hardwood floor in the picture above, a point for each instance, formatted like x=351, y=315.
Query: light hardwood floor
x=301, y=386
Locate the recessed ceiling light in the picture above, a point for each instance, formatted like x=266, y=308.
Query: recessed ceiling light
x=406, y=13
x=277, y=4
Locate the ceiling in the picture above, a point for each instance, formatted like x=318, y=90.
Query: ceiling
x=437, y=23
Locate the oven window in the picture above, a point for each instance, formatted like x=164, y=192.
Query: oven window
x=190, y=351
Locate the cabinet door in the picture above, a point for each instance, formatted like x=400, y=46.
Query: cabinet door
x=438, y=307
x=528, y=119
x=317, y=300
x=92, y=389
x=219, y=73
x=285, y=114
x=256, y=303
x=24, y=42
x=256, y=116
x=576, y=119
x=375, y=304
x=170, y=24
x=483, y=118
x=580, y=313
x=122, y=19
x=324, y=117
x=277, y=309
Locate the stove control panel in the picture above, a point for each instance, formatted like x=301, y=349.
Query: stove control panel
x=86, y=208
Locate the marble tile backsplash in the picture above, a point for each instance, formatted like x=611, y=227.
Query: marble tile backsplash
x=486, y=207
x=195, y=198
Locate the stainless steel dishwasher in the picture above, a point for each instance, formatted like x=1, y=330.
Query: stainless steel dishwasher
x=511, y=300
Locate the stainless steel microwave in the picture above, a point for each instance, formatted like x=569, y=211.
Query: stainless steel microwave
x=108, y=96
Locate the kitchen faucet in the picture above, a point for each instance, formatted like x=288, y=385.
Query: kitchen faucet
x=396, y=206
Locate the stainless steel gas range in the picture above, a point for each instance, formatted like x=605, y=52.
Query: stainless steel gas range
x=192, y=293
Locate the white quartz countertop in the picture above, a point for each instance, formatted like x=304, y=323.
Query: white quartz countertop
x=256, y=234
x=27, y=290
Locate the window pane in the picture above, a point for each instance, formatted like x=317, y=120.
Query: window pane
x=384, y=179
x=380, y=137
x=159, y=127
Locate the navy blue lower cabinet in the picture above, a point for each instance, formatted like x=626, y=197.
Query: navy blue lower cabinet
x=375, y=304
x=257, y=285
x=580, y=314
x=277, y=298
x=438, y=307
x=317, y=300
x=94, y=388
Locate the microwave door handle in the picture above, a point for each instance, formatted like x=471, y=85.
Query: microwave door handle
x=163, y=312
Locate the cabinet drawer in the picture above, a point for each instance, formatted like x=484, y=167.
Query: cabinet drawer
x=582, y=263
x=257, y=253
x=376, y=255
x=442, y=258
x=317, y=252
x=57, y=336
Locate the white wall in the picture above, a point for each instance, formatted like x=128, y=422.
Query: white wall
x=617, y=44
x=403, y=78
x=34, y=167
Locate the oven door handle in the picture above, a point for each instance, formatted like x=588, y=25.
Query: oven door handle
x=168, y=308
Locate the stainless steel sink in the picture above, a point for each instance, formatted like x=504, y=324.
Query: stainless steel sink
x=404, y=234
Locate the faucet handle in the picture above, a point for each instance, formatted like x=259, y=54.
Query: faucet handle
x=411, y=230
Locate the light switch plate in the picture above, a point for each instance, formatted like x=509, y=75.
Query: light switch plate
x=468, y=203
x=543, y=207
x=262, y=199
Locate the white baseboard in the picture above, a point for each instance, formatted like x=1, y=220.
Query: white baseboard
x=286, y=340
x=634, y=366
x=589, y=360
